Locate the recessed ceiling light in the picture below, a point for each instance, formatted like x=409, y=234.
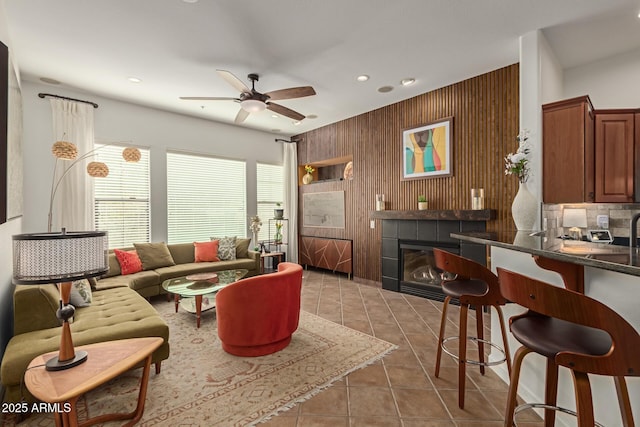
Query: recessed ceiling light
x=134, y=80
x=362, y=78
x=49, y=81
x=190, y=1
x=312, y=116
x=275, y=116
x=385, y=89
x=408, y=81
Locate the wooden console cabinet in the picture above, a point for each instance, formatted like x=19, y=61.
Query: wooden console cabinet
x=330, y=254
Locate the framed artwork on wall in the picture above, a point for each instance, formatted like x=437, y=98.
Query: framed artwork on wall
x=427, y=150
x=325, y=209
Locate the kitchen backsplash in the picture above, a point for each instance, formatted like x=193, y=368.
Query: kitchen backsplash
x=619, y=216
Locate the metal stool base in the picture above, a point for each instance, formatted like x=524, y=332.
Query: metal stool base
x=474, y=362
x=525, y=406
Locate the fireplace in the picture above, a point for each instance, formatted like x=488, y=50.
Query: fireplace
x=408, y=239
x=418, y=273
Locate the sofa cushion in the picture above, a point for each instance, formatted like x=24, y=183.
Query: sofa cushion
x=182, y=252
x=227, y=248
x=206, y=251
x=154, y=255
x=242, y=247
x=114, y=266
x=34, y=308
x=129, y=261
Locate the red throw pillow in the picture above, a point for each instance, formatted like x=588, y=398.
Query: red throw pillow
x=206, y=251
x=129, y=261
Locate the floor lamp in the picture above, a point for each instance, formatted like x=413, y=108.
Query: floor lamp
x=60, y=258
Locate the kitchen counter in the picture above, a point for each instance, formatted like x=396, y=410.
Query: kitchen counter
x=620, y=259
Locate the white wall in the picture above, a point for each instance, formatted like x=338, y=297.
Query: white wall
x=610, y=83
x=159, y=130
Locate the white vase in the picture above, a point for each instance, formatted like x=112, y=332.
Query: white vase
x=307, y=178
x=524, y=209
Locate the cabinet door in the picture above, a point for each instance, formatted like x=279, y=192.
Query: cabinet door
x=614, y=155
x=307, y=251
x=567, y=151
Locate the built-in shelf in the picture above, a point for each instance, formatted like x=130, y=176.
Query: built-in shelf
x=434, y=214
x=326, y=170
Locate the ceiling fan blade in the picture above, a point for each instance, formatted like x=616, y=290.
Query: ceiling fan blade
x=242, y=116
x=292, y=92
x=233, y=81
x=277, y=108
x=208, y=98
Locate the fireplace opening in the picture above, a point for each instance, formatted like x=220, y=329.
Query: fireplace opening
x=418, y=273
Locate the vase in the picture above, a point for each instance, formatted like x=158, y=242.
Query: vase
x=524, y=209
x=423, y=206
x=307, y=178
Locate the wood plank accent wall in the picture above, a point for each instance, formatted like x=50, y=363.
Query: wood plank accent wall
x=485, y=112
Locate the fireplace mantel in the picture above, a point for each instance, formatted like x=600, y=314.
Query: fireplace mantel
x=441, y=215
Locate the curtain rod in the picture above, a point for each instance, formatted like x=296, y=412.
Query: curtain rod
x=42, y=95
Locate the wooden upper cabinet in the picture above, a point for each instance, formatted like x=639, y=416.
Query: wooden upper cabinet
x=567, y=151
x=615, y=156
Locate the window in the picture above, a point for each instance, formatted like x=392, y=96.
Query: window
x=206, y=196
x=121, y=200
x=270, y=189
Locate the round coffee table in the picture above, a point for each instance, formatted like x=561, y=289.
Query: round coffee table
x=200, y=284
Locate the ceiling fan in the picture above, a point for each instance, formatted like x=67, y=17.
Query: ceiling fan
x=252, y=101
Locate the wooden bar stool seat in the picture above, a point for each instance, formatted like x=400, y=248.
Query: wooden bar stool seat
x=475, y=286
x=573, y=331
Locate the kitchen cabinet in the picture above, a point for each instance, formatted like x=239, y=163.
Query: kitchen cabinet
x=615, y=156
x=568, y=151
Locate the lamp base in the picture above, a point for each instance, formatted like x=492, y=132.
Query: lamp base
x=54, y=364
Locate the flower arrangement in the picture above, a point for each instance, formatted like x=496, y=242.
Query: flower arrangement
x=309, y=168
x=256, y=222
x=517, y=163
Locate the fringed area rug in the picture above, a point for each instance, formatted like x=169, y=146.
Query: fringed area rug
x=200, y=384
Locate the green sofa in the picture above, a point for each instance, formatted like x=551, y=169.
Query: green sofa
x=116, y=313
x=148, y=283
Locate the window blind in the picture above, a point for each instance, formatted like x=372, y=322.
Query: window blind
x=121, y=199
x=270, y=190
x=206, y=197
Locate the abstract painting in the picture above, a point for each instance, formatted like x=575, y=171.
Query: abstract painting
x=426, y=150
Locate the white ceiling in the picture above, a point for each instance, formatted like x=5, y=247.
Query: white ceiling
x=175, y=47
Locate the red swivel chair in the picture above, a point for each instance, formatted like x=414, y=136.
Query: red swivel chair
x=257, y=315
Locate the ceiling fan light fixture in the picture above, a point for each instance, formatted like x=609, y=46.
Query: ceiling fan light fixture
x=253, y=105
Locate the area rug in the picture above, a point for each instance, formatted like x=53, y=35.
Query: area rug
x=200, y=384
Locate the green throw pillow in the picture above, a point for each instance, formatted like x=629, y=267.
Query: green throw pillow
x=226, y=248
x=242, y=247
x=154, y=255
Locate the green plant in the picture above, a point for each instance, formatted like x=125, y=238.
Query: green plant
x=278, y=204
x=422, y=199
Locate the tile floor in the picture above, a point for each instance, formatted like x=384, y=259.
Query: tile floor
x=399, y=390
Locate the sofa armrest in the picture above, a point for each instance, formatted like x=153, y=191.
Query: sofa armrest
x=34, y=308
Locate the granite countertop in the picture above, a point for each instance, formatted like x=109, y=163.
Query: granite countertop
x=599, y=255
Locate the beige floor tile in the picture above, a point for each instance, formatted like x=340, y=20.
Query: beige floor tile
x=332, y=401
x=322, y=421
x=374, y=376
x=419, y=404
x=408, y=377
x=371, y=401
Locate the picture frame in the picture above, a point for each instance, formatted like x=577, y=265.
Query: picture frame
x=323, y=209
x=427, y=151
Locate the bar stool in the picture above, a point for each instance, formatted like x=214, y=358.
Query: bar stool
x=574, y=331
x=474, y=285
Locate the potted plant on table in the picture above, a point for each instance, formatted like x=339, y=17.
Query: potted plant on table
x=278, y=213
x=422, y=203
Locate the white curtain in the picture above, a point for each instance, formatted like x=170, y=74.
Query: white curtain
x=73, y=202
x=291, y=198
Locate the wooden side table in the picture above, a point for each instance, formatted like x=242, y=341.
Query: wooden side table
x=106, y=361
x=269, y=255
